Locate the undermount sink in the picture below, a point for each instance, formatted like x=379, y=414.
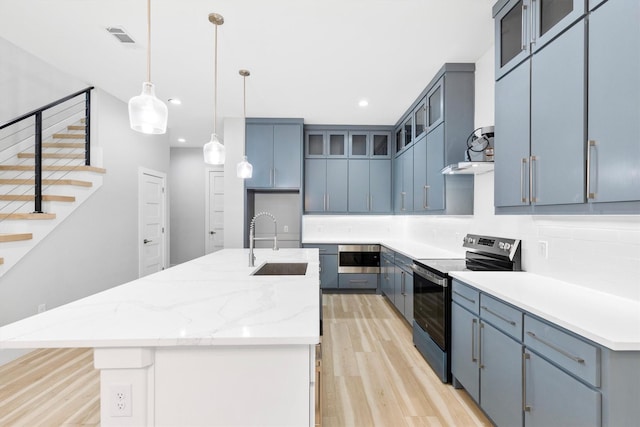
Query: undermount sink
x=282, y=269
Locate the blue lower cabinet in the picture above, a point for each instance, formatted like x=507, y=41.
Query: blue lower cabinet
x=464, y=350
x=555, y=399
x=386, y=278
x=358, y=281
x=500, y=376
x=329, y=271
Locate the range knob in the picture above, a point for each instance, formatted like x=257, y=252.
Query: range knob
x=507, y=246
x=501, y=245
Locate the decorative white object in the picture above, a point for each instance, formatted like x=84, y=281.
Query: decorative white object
x=147, y=114
x=244, y=169
x=214, y=151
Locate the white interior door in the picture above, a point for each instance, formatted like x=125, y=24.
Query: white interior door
x=152, y=208
x=215, y=211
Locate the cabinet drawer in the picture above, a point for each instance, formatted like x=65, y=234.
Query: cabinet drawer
x=502, y=316
x=403, y=262
x=467, y=297
x=565, y=350
x=324, y=249
x=357, y=281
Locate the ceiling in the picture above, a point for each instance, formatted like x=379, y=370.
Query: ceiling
x=314, y=59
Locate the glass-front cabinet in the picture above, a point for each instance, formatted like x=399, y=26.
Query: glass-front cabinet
x=420, y=120
x=526, y=26
x=325, y=143
x=435, y=114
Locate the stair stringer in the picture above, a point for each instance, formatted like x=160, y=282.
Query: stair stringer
x=13, y=252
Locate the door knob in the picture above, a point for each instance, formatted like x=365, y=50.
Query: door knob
x=145, y=241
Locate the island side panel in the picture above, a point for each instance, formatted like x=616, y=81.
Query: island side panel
x=234, y=385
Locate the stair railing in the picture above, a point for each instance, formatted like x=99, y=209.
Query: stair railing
x=37, y=115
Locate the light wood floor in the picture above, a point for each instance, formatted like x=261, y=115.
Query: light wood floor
x=372, y=376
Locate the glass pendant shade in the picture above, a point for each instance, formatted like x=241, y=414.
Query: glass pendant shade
x=147, y=114
x=214, y=151
x=244, y=169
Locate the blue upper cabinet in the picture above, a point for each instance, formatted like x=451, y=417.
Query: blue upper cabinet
x=435, y=105
x=567, y=130
x=322, y=144
x=525, y=26
x=613, y=156
x=274, y=148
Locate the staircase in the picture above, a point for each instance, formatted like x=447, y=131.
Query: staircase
x=66, y=183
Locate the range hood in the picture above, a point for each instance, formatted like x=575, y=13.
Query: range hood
x=469, y=168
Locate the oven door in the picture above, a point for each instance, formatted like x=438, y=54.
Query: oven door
x=431, y=305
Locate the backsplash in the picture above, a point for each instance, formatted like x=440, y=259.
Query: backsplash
x=595, y=251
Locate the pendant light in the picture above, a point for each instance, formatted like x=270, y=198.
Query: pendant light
x=147, y=114
x=214, y=151
x=244, y=169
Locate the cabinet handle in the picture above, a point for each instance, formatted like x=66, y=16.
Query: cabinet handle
x=370, y=201
x=358, y=280
x=590, y=144
x=402, y=208
x=556, y=348
x=274, y=177
x=322, y=250
x=402, y=282
x=324, y=202
x=524, y=26
x=498, y=315
x=533, y=21
x=425, y=205
x=271, y=177
x=480, y=346
x=522, y=195
x=532, y=176
x=472, y=301
x=473, y=340
x=525, y=407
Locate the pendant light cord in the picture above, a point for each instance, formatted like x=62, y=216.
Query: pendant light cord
x=215, y=80
x=244, y=110
x=149, y=41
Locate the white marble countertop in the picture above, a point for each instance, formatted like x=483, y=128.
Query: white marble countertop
x=407, y=248
x=606, y=319
x=212, y=300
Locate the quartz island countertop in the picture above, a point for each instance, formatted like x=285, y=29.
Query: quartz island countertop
x=209, y=301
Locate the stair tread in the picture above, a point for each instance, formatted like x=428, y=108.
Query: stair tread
x=76, y=127
x=29, y=197
x=79, y=168
x=68, y=135
x=30, y=181
x=52, y=155
x=15, y=237
x=63, y=145
x=27, y=216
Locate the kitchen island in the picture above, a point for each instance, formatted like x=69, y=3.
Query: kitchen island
x=202, y=343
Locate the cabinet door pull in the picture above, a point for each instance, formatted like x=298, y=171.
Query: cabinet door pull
x=473, y=340
x=522, y=195
x=324, y=202
x=525, y=407
x=328, y=202
x=532, y=176
x=590, y=144
x=524, y=26
x=498, y=315
x=402, y=208
x=271, y=177
x=322, y=250
x=472, y=301
x=577, y=359
x=533, y=22
x=358, y=280
x=426, y=197
x=480, y=346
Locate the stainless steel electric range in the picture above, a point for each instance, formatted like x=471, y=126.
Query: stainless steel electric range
x=432, y=293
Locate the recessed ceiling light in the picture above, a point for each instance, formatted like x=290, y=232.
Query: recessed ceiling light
x=175, y=101
x=182, y=140
x=363, y=103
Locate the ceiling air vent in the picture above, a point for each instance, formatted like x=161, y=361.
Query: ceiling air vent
x=120, y=34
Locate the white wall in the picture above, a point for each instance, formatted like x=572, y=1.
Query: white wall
x=187, y=204
x=597, y=251
x=96, y=247
x=23, y=84
x=234, y=217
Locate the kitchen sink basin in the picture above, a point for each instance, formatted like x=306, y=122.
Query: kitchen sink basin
x=282, y=269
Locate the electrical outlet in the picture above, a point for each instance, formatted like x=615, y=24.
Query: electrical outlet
x=543, y=249
x=120, y=400
x=42, y=307
x=286, y=228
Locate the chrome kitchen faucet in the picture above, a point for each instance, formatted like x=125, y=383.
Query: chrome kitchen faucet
x=252, y=238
